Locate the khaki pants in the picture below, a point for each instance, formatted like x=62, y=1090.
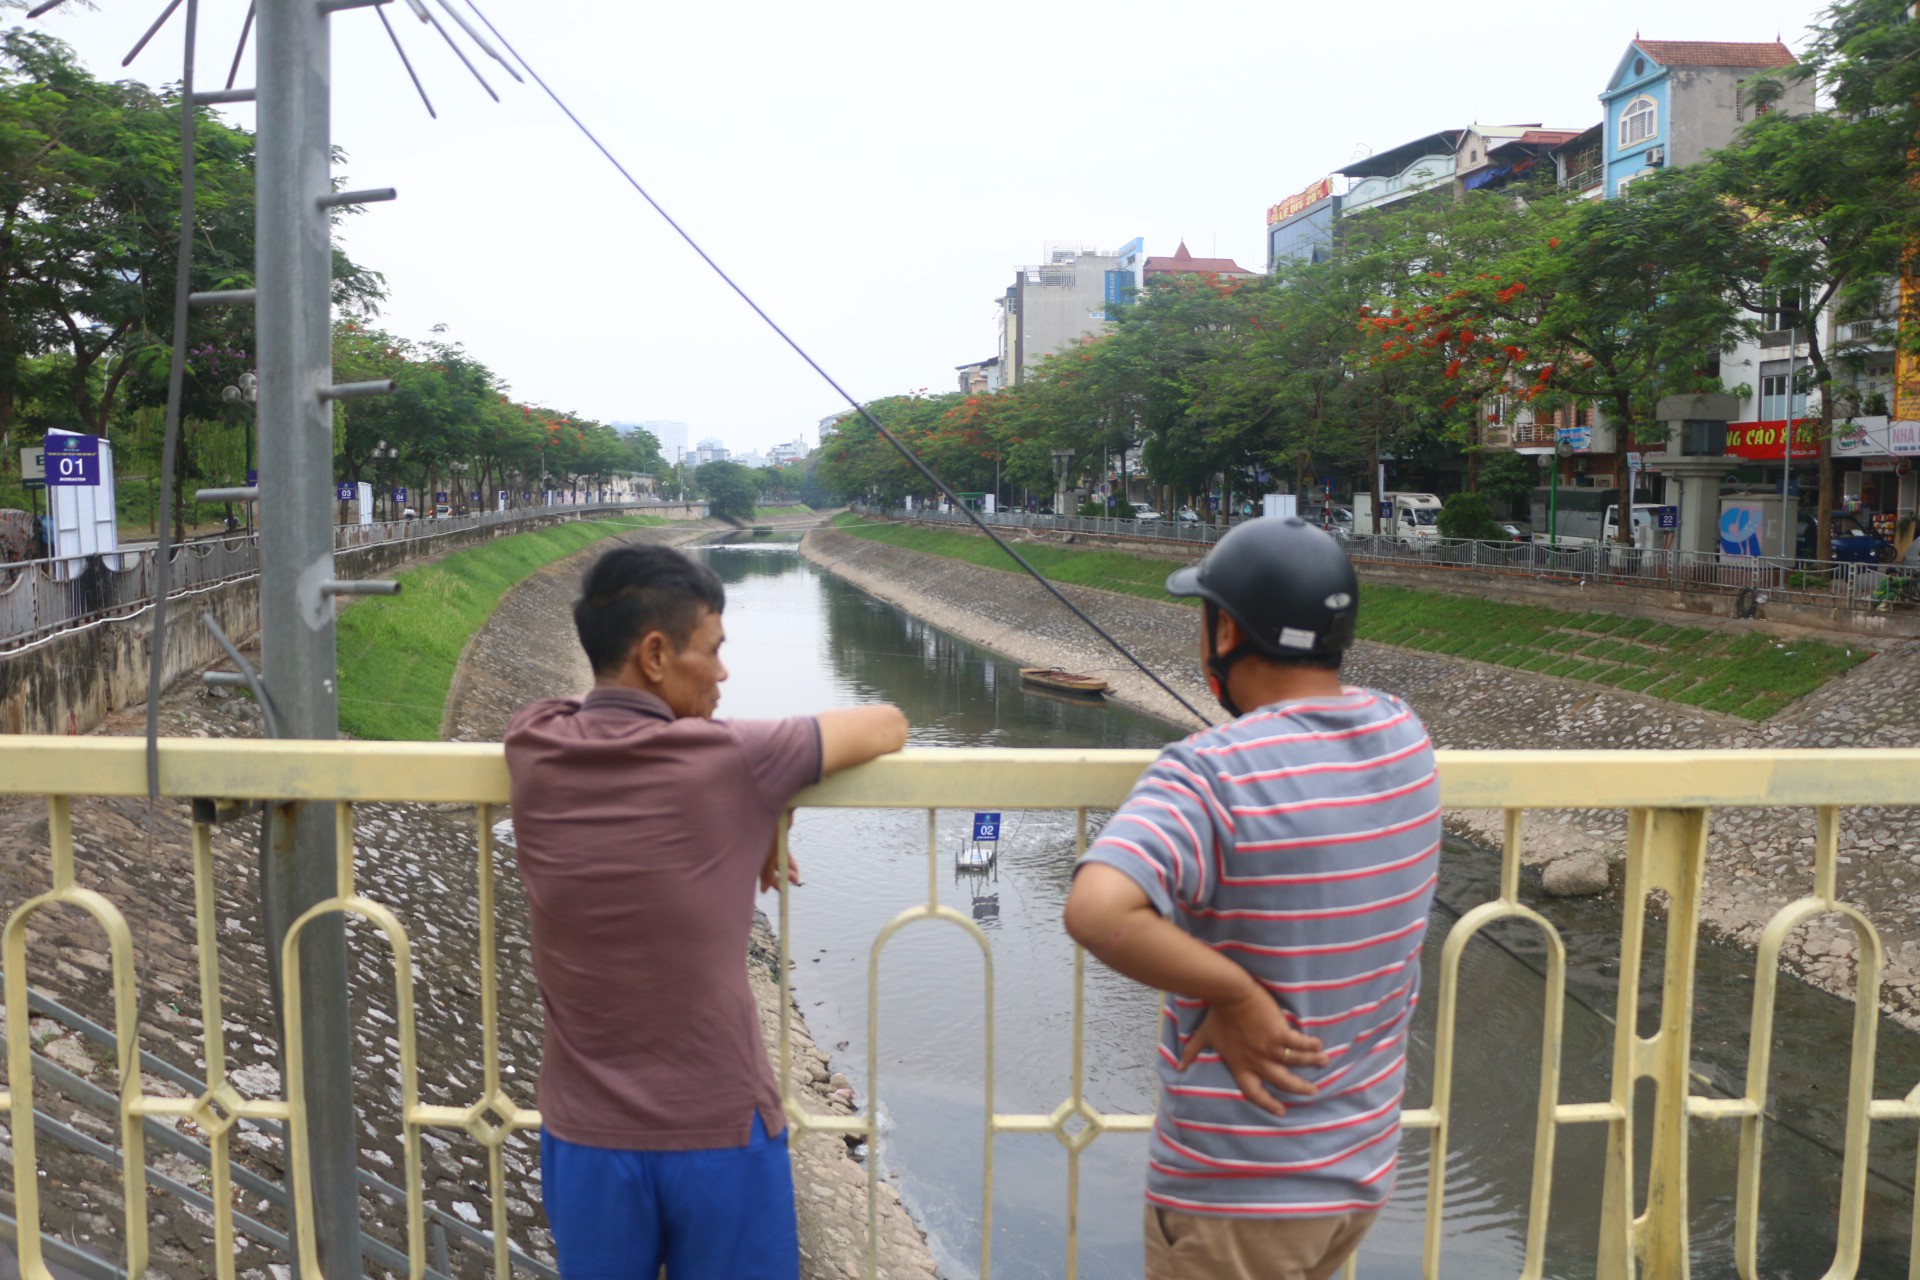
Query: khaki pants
x=1191, y=1246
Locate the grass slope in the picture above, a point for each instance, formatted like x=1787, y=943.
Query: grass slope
x=1750, y=675
x=398, y=655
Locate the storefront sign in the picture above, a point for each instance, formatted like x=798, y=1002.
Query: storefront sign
x=1862, y=437
x=1293, y=204
x=1763, y=441
x=1903, y=438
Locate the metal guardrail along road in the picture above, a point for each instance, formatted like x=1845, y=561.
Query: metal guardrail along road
x=1834, y=584
x=39, y=598
x=1669, y=797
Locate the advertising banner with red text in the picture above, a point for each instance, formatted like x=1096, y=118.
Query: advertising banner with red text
x=1293, y=204
x=1763, y=441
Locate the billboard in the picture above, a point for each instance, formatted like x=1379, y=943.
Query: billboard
x=1764, y=441
x=1300, y=200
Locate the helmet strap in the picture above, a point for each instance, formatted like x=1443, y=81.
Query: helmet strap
x=1219, y=664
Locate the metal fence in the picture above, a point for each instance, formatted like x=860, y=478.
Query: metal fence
x=1832, y=584
x=1644, y=1225
x=39, y=598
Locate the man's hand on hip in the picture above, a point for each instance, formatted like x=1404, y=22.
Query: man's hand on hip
x=1259, y=1047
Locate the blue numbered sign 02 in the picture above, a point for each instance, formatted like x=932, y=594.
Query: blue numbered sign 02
x=986, y=826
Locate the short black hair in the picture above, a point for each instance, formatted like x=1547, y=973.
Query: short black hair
x=632, y=590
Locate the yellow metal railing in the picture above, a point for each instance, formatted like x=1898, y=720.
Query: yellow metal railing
x=1669, y=797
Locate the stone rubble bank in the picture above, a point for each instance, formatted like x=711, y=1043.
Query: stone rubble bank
x=1758, y=860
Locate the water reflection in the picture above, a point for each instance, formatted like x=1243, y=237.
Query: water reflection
x=801, y=641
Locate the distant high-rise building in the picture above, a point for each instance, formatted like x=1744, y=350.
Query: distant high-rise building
x=708, y=450
x=671, y=435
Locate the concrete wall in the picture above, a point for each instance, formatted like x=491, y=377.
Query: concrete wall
x=71, y=682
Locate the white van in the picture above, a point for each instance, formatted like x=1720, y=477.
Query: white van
x=1413, y=518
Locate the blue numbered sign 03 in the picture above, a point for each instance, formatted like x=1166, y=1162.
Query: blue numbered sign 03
x=986, y=826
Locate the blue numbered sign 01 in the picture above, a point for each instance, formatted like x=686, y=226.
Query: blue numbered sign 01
x=986, y=826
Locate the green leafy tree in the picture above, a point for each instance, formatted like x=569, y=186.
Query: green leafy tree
x=729, y=489
x=1508, y=478
x=1468, y=515
x=1827, y=201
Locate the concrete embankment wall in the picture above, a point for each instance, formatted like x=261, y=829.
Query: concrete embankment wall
x=71, y=682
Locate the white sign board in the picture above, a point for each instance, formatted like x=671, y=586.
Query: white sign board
x=986, y=503
x=33, y=463
x=84, y=523
x=1277, y=504
x=365, y=490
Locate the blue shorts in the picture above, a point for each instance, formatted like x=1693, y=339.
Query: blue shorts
x=719, y=1214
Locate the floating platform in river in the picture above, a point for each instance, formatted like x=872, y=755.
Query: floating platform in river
x=1059, y=681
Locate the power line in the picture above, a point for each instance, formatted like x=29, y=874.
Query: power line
x=911, y=457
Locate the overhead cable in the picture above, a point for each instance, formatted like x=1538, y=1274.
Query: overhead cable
x=905, y=452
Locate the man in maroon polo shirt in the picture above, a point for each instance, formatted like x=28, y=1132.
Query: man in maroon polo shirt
x=643, y=827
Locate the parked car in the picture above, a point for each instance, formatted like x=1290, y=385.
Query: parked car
x=1187, y=515
x=1853, y=542
x=1141, y=511
x=1516, y=532
x=1339, y=521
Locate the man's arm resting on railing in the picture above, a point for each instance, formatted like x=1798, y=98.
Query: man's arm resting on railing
x=854, y=735
x=1111, y=916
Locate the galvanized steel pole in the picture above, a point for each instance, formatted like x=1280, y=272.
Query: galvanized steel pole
x=294, y=270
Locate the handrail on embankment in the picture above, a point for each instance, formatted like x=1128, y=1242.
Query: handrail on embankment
x=1669, y=796
x=39, y=598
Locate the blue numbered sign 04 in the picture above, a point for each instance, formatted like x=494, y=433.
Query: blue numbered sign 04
x=986, y=826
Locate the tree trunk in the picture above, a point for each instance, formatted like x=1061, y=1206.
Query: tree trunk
x=1822, y=378
x=1622, y=474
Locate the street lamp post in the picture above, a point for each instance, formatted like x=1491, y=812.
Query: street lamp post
x=382, y=455
x=247, y=392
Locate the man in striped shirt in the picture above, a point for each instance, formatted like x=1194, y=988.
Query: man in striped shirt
x=1273, y=876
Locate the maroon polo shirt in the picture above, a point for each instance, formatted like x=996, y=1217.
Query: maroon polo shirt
x=640, y=839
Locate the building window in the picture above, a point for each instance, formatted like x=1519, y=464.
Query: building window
x=1775, y=378
x=1788, y=310
x=1639, y=121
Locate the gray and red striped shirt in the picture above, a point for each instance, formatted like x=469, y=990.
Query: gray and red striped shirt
x=1303, y=840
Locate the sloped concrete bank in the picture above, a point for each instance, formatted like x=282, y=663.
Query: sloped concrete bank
x=1758, y=860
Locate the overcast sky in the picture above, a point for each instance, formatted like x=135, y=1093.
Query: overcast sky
x=872, y=173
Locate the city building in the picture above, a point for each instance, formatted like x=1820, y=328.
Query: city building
x=980, y=377
x=785, y=455
x=1670, y=102
x=708, y=450
x=672, y=437
x=1183, y=263
x=1300, y=228
x=1071, y=295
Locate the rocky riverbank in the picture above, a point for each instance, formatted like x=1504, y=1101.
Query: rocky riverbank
x=1758, y=860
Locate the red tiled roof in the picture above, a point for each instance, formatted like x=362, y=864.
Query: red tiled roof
x=1184, y=263
x=1715, y=53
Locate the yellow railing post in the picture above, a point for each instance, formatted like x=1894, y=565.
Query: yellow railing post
x=1666, y=853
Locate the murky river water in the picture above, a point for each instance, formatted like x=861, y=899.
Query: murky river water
x=801, y=641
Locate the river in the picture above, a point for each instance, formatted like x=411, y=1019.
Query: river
x=800, y=641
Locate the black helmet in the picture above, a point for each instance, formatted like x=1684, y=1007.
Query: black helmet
x=1289, y=586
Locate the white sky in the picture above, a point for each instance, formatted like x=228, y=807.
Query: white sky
x=871, y=172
